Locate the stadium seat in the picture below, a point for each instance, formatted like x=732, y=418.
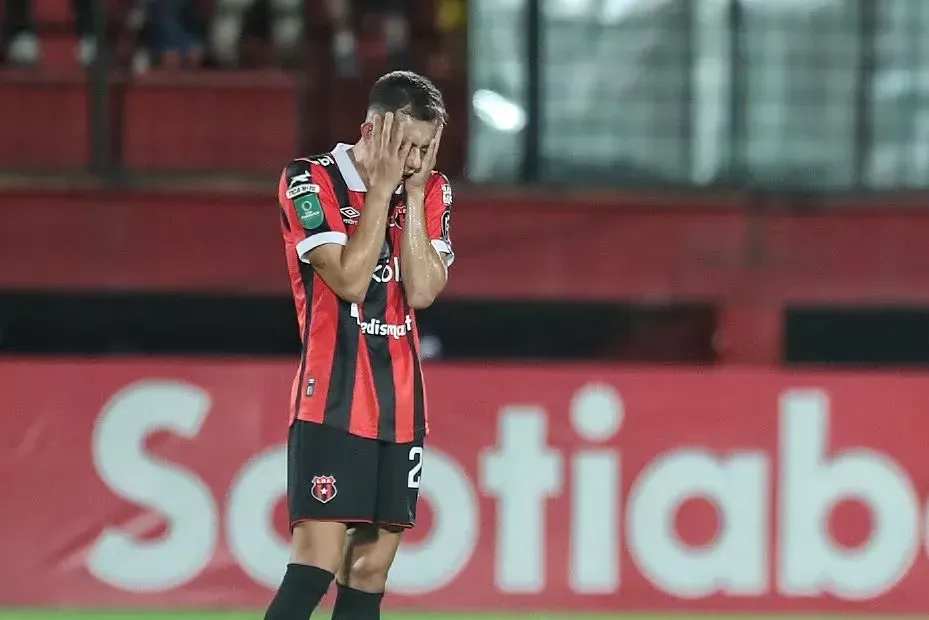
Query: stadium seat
x=205, y=122
x=53, y=11
x=43, y=123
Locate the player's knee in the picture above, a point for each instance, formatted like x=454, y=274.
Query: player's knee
x=374, y=552
x=318, y=544
x=369, y=572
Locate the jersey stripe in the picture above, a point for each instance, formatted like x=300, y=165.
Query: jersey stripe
x=402, y=370
x=365, y=408
x=381, y=361
x=420, y=421
x=320, y=350
x=343, y=371
x=299, y=387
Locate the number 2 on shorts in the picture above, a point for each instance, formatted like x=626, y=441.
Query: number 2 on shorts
x=416, y=457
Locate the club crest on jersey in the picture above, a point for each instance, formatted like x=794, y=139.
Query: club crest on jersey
x=397, y=216
x=446, y=226
x=322, y=488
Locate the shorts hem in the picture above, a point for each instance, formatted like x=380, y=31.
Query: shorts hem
x=294, y=523
x=404, y=526
x=365, y=433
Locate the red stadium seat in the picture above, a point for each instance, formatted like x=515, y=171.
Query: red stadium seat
x=59, y=52
x=57, y=33
x=43, y=123
x=238, y=122
x=54, y=11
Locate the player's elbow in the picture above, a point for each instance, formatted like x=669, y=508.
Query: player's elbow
x=353, y=293
x=419, y=300
x=422, y=293
x=352, y=290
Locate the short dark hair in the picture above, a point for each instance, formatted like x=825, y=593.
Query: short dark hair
x=405, y=91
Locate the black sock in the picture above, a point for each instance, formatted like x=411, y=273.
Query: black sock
x=353, y=604
x=300, y=592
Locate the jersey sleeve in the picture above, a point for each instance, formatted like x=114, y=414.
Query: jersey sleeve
x=309, y=208
x=438, y=209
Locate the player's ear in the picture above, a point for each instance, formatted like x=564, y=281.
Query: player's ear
x=367, y=128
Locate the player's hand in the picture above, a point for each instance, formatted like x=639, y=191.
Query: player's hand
x=418, y=180
x=389, y=150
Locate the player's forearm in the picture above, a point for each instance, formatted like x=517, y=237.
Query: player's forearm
x=423, y=270
x=360, y=255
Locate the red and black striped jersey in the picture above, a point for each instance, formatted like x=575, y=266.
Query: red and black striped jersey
x=360, y=365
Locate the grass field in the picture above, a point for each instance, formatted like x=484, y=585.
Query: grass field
x=13, y=614
x=256, y=615
x=135, y=615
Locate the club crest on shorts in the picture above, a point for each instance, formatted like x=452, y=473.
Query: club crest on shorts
x=322, y=488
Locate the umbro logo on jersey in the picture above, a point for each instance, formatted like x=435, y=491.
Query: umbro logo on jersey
x=350, y=215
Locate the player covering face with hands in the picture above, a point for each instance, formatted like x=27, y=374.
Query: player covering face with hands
x=366, y=238
x=398, y=148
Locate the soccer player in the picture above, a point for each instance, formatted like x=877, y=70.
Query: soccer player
x=366, y=235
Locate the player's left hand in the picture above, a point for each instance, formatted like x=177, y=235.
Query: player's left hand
x=418, y=179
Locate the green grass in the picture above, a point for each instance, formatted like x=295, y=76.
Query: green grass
x=256, y=615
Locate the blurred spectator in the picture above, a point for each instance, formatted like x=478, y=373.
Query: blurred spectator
x=394, y=26
x=171, y=33
x=24, y=47
x=228, y=23
x=451, y=17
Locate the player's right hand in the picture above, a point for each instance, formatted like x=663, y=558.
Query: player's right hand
x=389, y=151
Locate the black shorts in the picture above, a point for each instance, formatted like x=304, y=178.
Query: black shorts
x=336, y=476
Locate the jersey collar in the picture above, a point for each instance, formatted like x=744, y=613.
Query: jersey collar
x=348, y=170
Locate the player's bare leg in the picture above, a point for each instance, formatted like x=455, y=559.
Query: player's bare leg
x=369, y=553
x=319, y=543
x=317, y=548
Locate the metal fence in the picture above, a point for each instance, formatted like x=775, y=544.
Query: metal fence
x=825, y=95
x=802, y=94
